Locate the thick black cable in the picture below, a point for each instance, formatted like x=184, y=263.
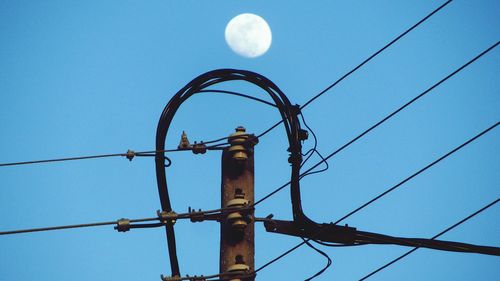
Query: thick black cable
x=287, y=112
x=383, y=120
x=417, y=173
x=434, y=237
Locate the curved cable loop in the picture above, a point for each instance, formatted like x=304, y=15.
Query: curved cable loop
x=289, y=115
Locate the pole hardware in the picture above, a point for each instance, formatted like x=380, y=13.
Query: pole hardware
x=238, y=220
x=199, y=148
x=167, y=217
x=238, y=164
x=238, y=269
x=241, y=143
x=130, y=155
x=177, y=278
x=324, y=232
x=122, y=225
x=184, y=143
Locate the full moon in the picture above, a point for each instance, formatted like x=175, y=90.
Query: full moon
x=248, y=35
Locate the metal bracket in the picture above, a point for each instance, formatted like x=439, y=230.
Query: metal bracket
x=323, y=232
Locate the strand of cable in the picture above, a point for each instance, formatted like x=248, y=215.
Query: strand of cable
x=417, y=173
x=130, y=154
x=378, y=52
x=384, y=119
x=313, y=150
x=434, y=237
x=376, y=238
x=349, y=73
x=172, y=217
x=328, y=262
x=308, y=155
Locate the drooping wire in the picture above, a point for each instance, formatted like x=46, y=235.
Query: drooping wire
x=417, y=173
x=328, y=262
x=313, y=150
x=434, y=237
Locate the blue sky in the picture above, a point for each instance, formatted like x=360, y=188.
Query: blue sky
x=92, y=77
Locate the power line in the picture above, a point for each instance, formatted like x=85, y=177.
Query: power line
x=247, y=96
x=163, y=217
x=417, y=173
x=428, y=166
x=363, y=63
x=328, y=260
x=237, y=94
x=280, y=256
x=384, y=119
x=434, y=237
x=376, y=53
x=129, y=154
x=70, y=226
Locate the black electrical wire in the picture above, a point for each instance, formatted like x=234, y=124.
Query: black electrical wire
x=237, y=94
x=140, y=153
x=365, y=61
x=376, y=238
x=392, y=188
x=328, y=262
x=376, y=53
x=206, y=215
x=383, y=120
x=61, y=159
x=291, y=129
x=70, y=226
x=417, y=173
x=280, y=256
x=434, y=237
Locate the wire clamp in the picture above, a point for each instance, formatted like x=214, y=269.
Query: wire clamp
x=178, y=278
x=123, y=225
x=199, y=148
x=196, y=216
x=167, y=217
x=130, y=154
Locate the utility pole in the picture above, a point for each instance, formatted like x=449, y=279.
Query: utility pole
x=237, y=247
